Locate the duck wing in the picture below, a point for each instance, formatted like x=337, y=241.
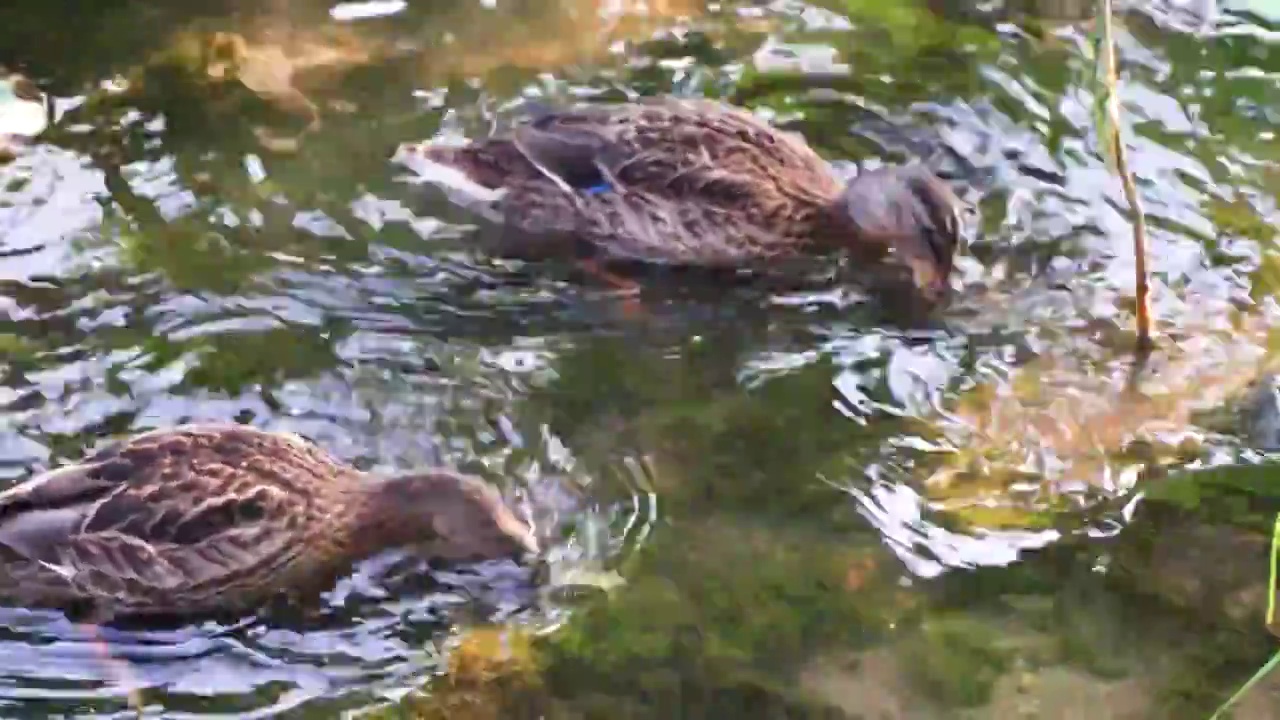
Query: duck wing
x=685, y=182
x=171, y=512
x=674, y=147
x=576, y=158
x=664, y=180
x=588, y=147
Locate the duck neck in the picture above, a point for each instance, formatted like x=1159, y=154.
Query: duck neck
x=841, y=229
x=396, y=511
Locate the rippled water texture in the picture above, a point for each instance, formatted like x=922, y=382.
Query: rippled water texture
x=757, y=504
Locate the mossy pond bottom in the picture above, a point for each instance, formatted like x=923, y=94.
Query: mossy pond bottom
x=758, y=504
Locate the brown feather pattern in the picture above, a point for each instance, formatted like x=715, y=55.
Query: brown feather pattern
x=696, y=183
x=205, y=518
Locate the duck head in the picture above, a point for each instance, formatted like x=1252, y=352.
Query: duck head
x=908, y=216
x=449, y=516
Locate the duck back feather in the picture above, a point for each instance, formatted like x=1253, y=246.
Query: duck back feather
x=684, y=182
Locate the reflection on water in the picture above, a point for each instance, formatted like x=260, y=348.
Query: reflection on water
x=757, y=504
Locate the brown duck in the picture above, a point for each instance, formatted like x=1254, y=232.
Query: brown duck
x=205, y=519
x=696, y=183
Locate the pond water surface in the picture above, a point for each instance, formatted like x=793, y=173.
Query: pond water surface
x=759, y=505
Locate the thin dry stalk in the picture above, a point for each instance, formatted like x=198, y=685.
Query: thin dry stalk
x=1141, y=288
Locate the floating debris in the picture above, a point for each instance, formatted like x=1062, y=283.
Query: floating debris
x=796, y=58
x=22, y=114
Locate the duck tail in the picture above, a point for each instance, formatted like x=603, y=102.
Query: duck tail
x=460, y=172
x=473, y=162
x=492, y=163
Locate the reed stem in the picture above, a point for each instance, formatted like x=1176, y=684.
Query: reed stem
x=1141, y=288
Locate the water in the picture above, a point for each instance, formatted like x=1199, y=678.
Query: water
x=759, y=505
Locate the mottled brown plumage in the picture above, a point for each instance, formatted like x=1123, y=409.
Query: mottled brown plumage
x=698, y=183
x=215, y=518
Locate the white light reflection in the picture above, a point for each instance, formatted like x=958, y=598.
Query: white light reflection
x=895, y=511
x=346, y=12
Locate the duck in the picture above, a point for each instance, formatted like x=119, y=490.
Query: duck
x=693, y=183
x=209, y=519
